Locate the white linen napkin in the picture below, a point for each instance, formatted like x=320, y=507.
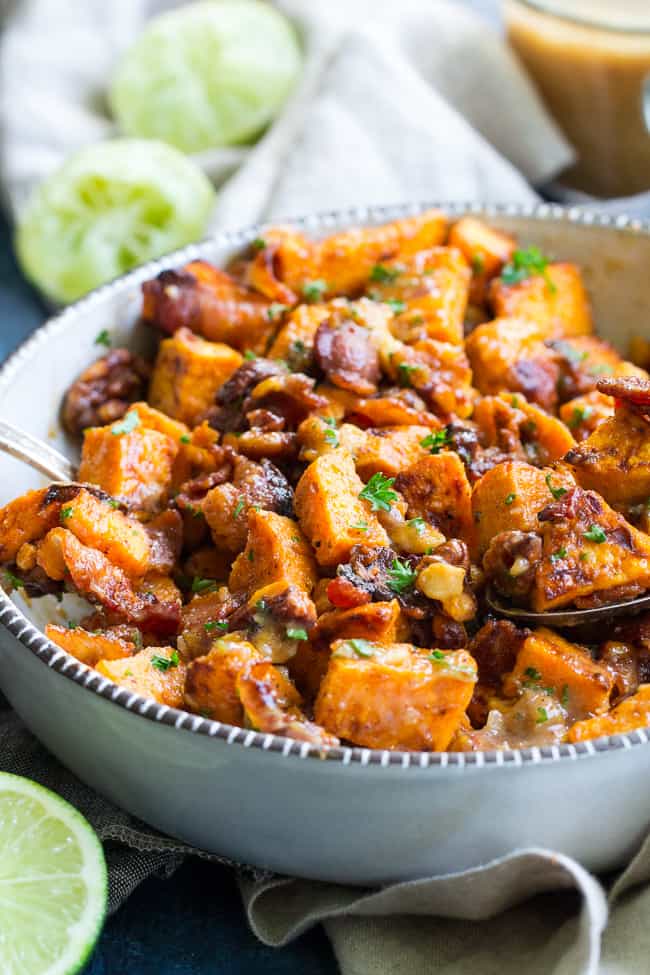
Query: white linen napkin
x=398, y=100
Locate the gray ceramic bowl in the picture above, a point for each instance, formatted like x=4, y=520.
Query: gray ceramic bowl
x=357, y=816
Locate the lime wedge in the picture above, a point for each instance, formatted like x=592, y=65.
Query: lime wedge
x=53, y=885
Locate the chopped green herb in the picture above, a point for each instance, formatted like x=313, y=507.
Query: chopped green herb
x=128, y=673
x=397, y=306
x=362, y=648
x=478, y=263
x=361, y=526
x=251, y=555
x=542, y=715
x=185, y=438
x=216, y=625
x=525, y=264
x=580, y=413
x=558, y=492
x=330, y=436
x=557, y=556
x=165, y=663
x=401, y=576
x=137, y=638
x=203, y=585
x=258, y=244
x=71, y=624
x=533, y=673
x=404, y=371
x=595, y=534
x=127, y=425
x=238, y=508
x=297, y=633
x=13, y=580
x=514, y=402
x=314, y=290
x=437, y=656
x=104, y=338
x=67, y=513
x=275, y=309
x=378, y=491
x=113, y=503
x=436, y=440
x=510, y=498
x=565, y=696
x=298, y=347
x=383, y=274
x=585, y=556
x=418, y=523
x=249, y=354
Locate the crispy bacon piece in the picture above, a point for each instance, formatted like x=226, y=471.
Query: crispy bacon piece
x=632, y=390
x=346, y=354
x=104, y=391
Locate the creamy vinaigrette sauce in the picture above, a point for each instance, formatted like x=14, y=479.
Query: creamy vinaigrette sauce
x=590, y=59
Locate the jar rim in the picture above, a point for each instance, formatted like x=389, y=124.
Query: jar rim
x=555, y=8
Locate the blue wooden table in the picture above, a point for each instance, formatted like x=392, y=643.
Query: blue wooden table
x=192, y=924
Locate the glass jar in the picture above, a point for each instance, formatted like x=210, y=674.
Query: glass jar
x=590, y=60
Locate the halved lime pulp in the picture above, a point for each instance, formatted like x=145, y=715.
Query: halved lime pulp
x=53, y=882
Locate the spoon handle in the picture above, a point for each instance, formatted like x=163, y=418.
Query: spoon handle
x=34, y=452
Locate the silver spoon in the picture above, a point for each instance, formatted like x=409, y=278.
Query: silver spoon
x=37, y=454
x=566, y=617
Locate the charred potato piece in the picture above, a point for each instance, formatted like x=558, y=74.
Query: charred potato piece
x=276, y=552
x=211, y=684
x=87, y=647
x=631, y=714
x=436, y=489
x=155, y=672
x=556, y=300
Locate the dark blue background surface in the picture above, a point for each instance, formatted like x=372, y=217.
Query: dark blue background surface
x=192, y=924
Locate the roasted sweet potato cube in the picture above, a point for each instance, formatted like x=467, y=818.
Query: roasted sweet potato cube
x=24, y=520
x=379, y=622
x=526, y=431
x=121, y=538
x=439, y=371
x=152, y=419
x=395, y=696
x=87, y=647
x=485, y=249
x=587, y=549
x=428, y=292
x=584, y=413
x=156, y=672
x=631, y=714
x=294, y=343
x=615, y=459
x=276, y=551
x=509, y=354
x=328, y=506
x=187, y=374
x=388, y=449
x=556, y=300
x=510, y=496
x=546, y=660
x=436, y=489
x=211, y=685
x=134, y=466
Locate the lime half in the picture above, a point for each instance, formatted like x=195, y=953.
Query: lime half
x=53, y=884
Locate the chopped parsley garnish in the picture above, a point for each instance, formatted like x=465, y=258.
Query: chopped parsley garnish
x=557, y=492
x=595, y=534
x=533, y=673
x=66, y=512
x=13, y=580
x=542, y=715
x=104, y=338
x=560, y=554
x=251, y=555
x=437, y=656
x=127, y=425
x=297, y=633
x=510, y=498
x=275, y=309
x=203, y=585
x=250, y=355
x=579, y=415
x=238, y=508
x=314, y=290
x=418, y=523
x=514, y=402
x=378, y=491
x=397, y=306
x=401, y=576
x=165, y=663
x=362, y=648
x=137, y=638
x=383, y=274
x=71, y=625
x=361, y=526
x=585, y=556
x=524, y=264
x=113, y=503
x=404, y=371
x=564, y=697
x=258, y=244
x=478, y=263
x=330, y=436
x=436, y=440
